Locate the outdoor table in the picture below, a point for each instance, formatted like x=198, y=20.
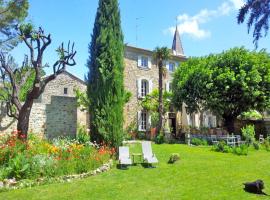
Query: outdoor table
x=136, y=154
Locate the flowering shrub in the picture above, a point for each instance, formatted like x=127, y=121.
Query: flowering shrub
x=37, y=157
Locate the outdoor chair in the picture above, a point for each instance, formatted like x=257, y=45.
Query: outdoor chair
x=261, y=139
x=239, y=141
x=148, y=155
x=124, y=158
x=231, y=140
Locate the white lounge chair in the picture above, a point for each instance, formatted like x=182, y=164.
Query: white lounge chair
x=148, y=155
x=124, y=158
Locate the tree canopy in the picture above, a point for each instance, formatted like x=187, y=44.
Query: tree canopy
x=259, y=15
x=228, y=84
x=12, y=12
x=105, y=79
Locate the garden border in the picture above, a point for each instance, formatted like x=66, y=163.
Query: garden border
x=12, y=184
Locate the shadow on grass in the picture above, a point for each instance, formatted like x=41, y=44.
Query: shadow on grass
x=122, y=167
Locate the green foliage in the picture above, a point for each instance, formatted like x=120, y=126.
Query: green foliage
x=150, y=102
x=198, y=142
x=105, y=79
x=12, y=12
x=173, y=158
x=41, y=158
x=248, y=132
x=82, y=135
x=266, y=145
x=224, y=148
x=82, y=100
x=230, y=83
x=256, y=145
x=159, y=139
x=241, y=150
x=258, y=17
x=127, y=96
x=252, y=114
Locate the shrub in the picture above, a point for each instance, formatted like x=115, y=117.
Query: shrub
x=141, y=135
x=256, y=145
x=198, y=142
x=159, y=139
x=173, y=158
x=241, y=150
x=266, y=144
x=219, y=146
x=82, y=136
x=248, y=133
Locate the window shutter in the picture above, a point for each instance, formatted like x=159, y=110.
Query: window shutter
x=150, y=86
x=139, y=86
x=148, y=121
x=139, y=121
x=205, y=120
x=149, y=62
x=139, y=61
x=167, y=86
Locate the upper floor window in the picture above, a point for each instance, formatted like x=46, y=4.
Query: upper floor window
x=144, y=62
x=65, y=90
x=171, y=66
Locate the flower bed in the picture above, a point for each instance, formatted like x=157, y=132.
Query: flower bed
x=38, y=158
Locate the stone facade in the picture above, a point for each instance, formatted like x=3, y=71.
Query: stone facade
x=134, y=74
x=55, y=113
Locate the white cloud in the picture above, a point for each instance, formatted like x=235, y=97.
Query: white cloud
x=192, y=25
x=238, y=3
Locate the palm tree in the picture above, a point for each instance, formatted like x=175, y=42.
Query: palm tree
x=259, y=17
x=161, y=55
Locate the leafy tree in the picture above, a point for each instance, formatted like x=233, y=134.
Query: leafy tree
x=228, y=84
x=22, y=85
x=161, y=55
x=105, y=78
x=151, y=104
x=259, y=17
x=12, y=12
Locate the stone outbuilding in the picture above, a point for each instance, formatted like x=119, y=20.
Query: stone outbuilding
x=55, y=113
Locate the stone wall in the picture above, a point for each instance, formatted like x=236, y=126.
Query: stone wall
x=61, y=117
x=54, y=113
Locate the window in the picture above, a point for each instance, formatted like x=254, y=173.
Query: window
x=65, y=91
x=144, y=61
x=143, y=121
x=144, y=88
x=171, y=66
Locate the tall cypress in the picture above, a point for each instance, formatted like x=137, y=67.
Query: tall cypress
x=105, y=78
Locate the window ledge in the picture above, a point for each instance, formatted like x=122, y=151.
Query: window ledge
x=144, y=68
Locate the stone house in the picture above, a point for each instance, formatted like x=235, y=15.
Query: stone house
x=141, y=77
x=55, y=113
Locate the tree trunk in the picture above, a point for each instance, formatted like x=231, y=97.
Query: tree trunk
x=23, y=120
x=160, y=97
x=229, y=123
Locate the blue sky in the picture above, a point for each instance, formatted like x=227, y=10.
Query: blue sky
x=206, y=26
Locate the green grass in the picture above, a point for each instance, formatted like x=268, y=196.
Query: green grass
x=200, y=174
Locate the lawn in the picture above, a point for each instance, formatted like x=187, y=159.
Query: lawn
x=201, y=174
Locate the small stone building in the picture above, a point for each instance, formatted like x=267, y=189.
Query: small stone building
x=55, y=113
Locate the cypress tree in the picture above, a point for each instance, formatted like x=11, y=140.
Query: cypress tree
x=105, y=77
